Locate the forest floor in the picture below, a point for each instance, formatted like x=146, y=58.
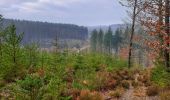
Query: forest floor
x=85, y=77
x=138, y=93
x=131, y=94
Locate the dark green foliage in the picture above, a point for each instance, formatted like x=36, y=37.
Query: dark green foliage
x=79, y=64
x=12, y=54
x=31, y=54
x=30, y=83
x=1, y=40
x=53, y=89
x=117, y=39
x=41, y=32
x=105, y=42
x=126, y=35
x=12, y=44
x=108, y=41
x=93, y=40
x=100, y=40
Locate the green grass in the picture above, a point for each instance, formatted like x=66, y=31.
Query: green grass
x=160, y=76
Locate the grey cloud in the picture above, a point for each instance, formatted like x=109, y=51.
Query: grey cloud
x=82, y=12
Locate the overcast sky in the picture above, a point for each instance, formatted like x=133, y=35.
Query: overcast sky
x=81, y=12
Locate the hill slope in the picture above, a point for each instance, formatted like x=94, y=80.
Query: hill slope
x=44, y=33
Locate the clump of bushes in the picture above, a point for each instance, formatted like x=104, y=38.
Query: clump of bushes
x=31, y=84
x=160, y=76
x=117, y=93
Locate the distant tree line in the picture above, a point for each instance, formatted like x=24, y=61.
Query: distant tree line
x=46, y=32
x=106, y=42
x=110, y=42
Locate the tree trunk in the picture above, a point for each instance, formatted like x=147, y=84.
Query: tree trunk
x=161, y=25
x=14, y=56
x=167, y=23
x=0, y=51
x=132, y=34
x=0, y=47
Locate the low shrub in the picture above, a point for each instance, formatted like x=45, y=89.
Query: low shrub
x=13, y=72
x=31, y=84
x=100, y=80
x=69, y=74
x=87, y=95
x=165, y=95
x=117, y=93
x=152, y=90
x=125, y=84
x=135, y=84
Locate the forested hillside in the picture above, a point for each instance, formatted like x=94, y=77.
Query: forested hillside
x=105, y=28
x=44, y=33
x=121, y=62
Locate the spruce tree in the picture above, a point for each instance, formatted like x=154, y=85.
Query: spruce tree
x=1, y=39
x=126, y=35
x=117, y=39
x=93, y=40
x=12, y=54
x=108, y=41
x=100, y=40
x=31, y=54
x=12, y=44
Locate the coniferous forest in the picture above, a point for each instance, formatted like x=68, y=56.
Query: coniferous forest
x=44, y=33
x=55, y=61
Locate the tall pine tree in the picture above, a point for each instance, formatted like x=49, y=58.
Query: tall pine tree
x=12, y=43
x=1, y=39
x=93, y=40
x=108, y=41
x=100, y=41
x=117, y=39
